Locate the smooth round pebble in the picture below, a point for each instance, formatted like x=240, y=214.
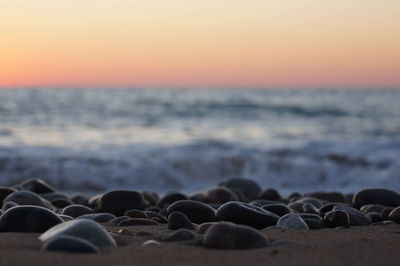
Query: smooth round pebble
x=178, y=220
x=118, y=202
x=292, y=221
x=69, y=244
x=197, y=212
x=385, y=197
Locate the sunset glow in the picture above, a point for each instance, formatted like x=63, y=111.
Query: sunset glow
x=235, y=43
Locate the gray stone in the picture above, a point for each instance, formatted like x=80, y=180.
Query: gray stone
x=69, y=244
x=292, y=221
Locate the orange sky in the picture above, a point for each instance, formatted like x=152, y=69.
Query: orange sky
x=190, y=43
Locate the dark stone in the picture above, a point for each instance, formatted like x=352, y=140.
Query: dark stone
x=66, y=218
x=171, y=198
x=247, y=214
x=180, y=235
x=28, y=219
x=27, y=198
x=278, y=209
x=61, y=203
x=374, y=217
x=328, y=207
x=94, y=202
x=198, y=196
x=117, y=220
x=357, y=218
x=329, y=196
x=136, y=214
x=250, y=189
x=395, y=215
x=231, y=236
x=137, y=221
x=309, y=208
x=197, y=212
x=98, y=217
x=153, y=215
x=385, y=197
x=118, y=202
x=9, y=205
x=202, y=229
x=53, y=195
x=76, y=210
x=80, y=199
x=292, y=221
x=36, y=185
x=386, y=211
x=4, y=192
x=270, y=194
x=337, y=218
x=178, y=220
x=81, y=228
x=69, y=244
x=313, y=221
x=220, y=195
x=372, y=208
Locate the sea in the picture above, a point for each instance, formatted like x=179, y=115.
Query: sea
x=92, y=140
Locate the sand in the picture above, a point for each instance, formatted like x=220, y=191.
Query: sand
x=355, y=246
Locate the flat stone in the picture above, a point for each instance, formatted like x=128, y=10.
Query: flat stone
x=32, y=219
x=81, y=228
x=136, y=214
x=118, y=202
x=246, y=214
x=27, y=198
x=76, y=210
x=231, y=236
x=197, y=212
x=385, y=197
x=69, y=244
x=292, y=221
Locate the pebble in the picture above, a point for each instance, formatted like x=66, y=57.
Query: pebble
x=69, y=244
x=225, y=235
x=313, y=221
x=375, y=217
x=337, y=218
x=270, y=194
x=36, y=185
x=246, y=214
x=171, y=198
x=27, y=198
x=4, y=192
x=202, y=229
x=180, y=235
x=329, y=196
x=32, y=219
x=136, y=214
x=250, y=189
x=219, y=195
x=385, y=197
x=197, y=212
x=277, y=208
x=81, y=228
x=394, y=215
x=151, y=243
x=98, y=217
x=118, y=202
x=357, y=218
x=292, y=221
x=76, y=210
x=178, y=220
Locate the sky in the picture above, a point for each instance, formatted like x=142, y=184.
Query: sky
x=207, y=43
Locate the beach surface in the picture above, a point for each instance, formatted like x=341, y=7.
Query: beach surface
x=369, y=245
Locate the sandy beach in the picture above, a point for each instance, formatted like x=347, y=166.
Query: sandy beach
x=372, y=245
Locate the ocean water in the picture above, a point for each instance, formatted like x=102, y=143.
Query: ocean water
x=188, y=140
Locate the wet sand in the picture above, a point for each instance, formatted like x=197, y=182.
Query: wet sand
x=369, y=245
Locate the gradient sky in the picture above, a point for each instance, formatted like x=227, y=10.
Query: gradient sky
x=191, y=43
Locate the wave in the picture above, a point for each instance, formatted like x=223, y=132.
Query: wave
x=197, y=165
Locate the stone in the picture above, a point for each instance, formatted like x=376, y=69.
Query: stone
x=337, y=218
x=27, y=198
x=357, y=218
x=117, y=220
x=98, y=217
x=309, y=208
x=137, y=221
x=36, y=185
x=278, y=209
x=29, y=219
x=171, y=198
x=394, y=215
x=385, y=197
x=153, y=215
x=219, y=195
x=4, y=192
x=118, y=202
x=202, y=229
x=9, y=205
x=81, y=228
x=180, y=235
x=80, y=199
x=136, y=214
x=292, y=221
x=197, y=212
x=69, y=244
x=250, y=189
x=313, y=221
x=375, y=217
x=246, y=214
x=65, y=218
x=151, y=243
x=178, y=220
x=151, y=197
x=231, y=236
x=76, y=210
x=372, y=208
x=61, y=203
x=270, y=194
